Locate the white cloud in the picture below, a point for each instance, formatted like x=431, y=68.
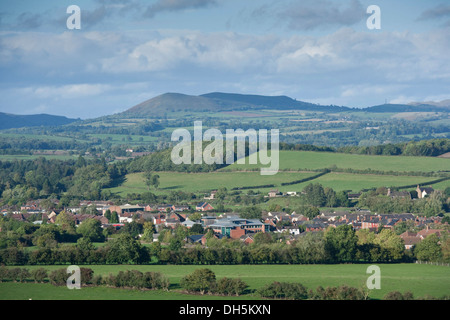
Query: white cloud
x=176, y=5
x=353, y=67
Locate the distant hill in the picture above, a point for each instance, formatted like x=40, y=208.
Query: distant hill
x=218, y=101
x=172, y=102
x=413, y=107
x=273, y=102
x=8, y=121
x=442, y=104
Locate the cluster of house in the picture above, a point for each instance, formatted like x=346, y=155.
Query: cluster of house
x=125, y=212
x=232, y=226
x=358, y=220
x=422, y=192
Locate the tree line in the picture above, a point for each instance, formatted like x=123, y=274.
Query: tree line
x=335, y=245
x=23, y=180
x=422, y=148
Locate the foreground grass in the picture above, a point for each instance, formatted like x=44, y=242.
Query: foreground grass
x=421, y=280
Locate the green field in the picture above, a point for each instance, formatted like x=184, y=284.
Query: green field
x=12, y=157
x=358, y=182
x=204, y=182
x=121, y=139
x=421, y=280
x=36, y=137
x=310, y=160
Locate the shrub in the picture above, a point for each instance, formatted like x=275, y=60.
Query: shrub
x=284, y=290
x=201, y=280
x=228, y=286
x=393, y=295
x=137, y=280
x=39, y=275
x=4, y=274
x=86, y=275
x=59, y=277
x=23, y=274
x=155, y=280
x=97, y=280
x=338, y=293
x=396, y=295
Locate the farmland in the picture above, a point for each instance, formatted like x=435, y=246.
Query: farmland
x=204, y=182
x=309, y=160
x=421, y=280
x=388, y=171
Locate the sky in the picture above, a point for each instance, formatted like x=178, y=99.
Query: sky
x=128, y=51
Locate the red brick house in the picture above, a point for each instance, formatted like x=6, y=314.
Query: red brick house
x=204, y=206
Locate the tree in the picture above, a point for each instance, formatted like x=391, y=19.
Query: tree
x=114, y=217
x=231, y=286
x=133, y=228
x=66, y=222
x=196, y=229
x=251, y=213
x=445, y=247
x=428, y=249
x=85, y=244
x=262, y=238
x=151, y=180
x=315, y=195
x=221, y=193
x=195, y=216
x=149, y=230
x=330, y=196
x=309, y=211
x=341, y=243
x=342, y=199
x=125, y=250
x=39, y=275
x=91, y=229
x=434, y=204
x=392, y=243
x=201, y=280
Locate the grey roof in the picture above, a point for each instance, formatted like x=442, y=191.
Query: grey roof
x=233, y=222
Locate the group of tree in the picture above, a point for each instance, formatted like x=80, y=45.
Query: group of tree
x=122, y=250
x=204, y=281
x=24, y=180
x=435, y=204
x=296, y=291
x=423, y=148
x=314, y=194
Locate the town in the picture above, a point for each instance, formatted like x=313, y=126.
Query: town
x=229, y=225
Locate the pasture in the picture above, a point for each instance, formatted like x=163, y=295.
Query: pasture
x=205, y=182
x=420, y=279
x=310, y=160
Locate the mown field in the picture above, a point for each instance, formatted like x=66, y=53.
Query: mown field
x=309, y=160
x=421, y=280
x=199, y=182
x=204, y=182
x=294, y=165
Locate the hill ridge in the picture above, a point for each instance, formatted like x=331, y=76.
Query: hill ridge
x=220, y=101
x=10, y=121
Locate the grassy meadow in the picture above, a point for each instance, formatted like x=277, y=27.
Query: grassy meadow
x=421, y=280
x=204, y=182
x=295, y=165
x=310, y=160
